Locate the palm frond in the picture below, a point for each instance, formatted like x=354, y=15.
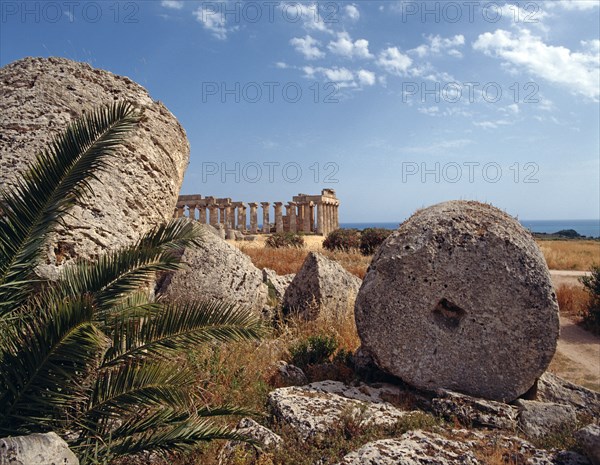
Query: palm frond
x=41, y=197
x=115, y=275
x=181, y=326
x=43, y=369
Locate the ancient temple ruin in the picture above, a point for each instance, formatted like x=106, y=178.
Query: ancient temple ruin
x=317, y=214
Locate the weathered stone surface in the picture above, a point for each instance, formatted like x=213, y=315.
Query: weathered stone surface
x=36, y=449
x=460, y=297
x=217, y=270
x=472, y=411
x=318, y=408
x=589, y=441
x=278, y=283
x=538, y=419
x=265, y=438
x=412, y=448
x=551, y=388
x=321, y=285
x=39, y=98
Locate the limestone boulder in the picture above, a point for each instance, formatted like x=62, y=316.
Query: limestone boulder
x=539, y=419
x=287, y=374
x=552, y=388
x=278, y=284
x=234, y=451
x=588, y=439
x=36, y=449
x=413, y=448
x=217, y=270
x=319, y=408
x=473, y=411
x=321, y=286
x=39, y=97
x=460, y=298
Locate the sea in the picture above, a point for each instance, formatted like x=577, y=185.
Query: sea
x=589, y=228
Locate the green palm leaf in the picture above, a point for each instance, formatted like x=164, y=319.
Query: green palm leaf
x=49, y=188
x=43, y=371
x=181, y=327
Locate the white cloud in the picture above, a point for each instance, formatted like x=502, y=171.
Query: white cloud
x=436, y=45
x=581, y=5
x=307, y=13
x=366, y=77
x=345, y=47
x=579, y=71
x=438, y=147
x=351, y=12
x=431, y=111
x=214, y=22
x=173, y=4
x=513, y=108
x=281, y=65
x=308, y=47
x=492, y=124
x=394, y=61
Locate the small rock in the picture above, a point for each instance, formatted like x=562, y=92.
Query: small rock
x=277, y=283
x=589, y=441
x=472, y=411
x=318, y=408
x=289, y=375
x=36, y=449
x=412, y=448
x=538, y=419
x=266, y=438
x=321, y=285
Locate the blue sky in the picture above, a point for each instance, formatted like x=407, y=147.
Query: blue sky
x=395, y=105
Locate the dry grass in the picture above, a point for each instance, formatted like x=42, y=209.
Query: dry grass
x=573, y=300
x=289, y=260
x=570, y=255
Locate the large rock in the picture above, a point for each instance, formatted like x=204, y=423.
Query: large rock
x=460, y=297
x=321, y=286
x=589, y=441
x=319, y=408
x=277, y=284
x=236, y=451
x=38, y=99
x=552, y=388
x=36, y=449
x=217, y=270
x=539, y=419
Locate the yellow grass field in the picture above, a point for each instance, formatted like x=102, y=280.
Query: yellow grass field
x=559, y=255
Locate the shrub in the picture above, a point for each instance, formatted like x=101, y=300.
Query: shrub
x=285, y=239
x=342, y=239
x=591, y=316
x=371, y=238
x=313, y=350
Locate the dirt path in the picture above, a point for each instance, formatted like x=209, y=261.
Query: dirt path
x=578, y=353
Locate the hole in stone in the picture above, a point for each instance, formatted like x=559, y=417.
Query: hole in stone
x=448, y=314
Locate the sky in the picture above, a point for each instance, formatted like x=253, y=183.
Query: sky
x=396, y=105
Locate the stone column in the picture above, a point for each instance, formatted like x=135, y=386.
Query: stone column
x=192, y=212
x=306, y=218
x=320, y=228
x=222, y=215
x=241, y=221
x=253, y=217
x=180, y=212
x=202, y=217
x=327, y=218
x=311, y=210
x=293, y=218
x=230, y=217
x=266, y=228
x=213, y=213
x=336, y=216
x=278, y=217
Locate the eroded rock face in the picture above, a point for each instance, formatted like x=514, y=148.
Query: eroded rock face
x=589, y=441
x=279, y=283
x=319, y=408
x=552, y=388
x=538, y=419
x=36, y=449
x=39, y=98
x=232, y=451
x=321, y=285
x=217, y=271
x=460, y=298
